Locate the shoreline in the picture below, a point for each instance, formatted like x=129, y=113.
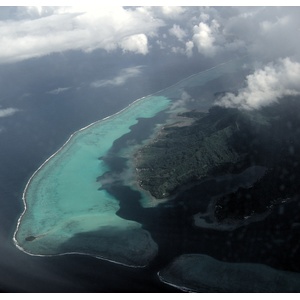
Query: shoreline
x=81, y=253
x=182, y=288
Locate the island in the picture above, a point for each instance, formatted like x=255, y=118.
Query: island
x=223, y=143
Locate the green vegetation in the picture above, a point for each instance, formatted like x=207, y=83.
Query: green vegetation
x=228, y=141
x=181, y=155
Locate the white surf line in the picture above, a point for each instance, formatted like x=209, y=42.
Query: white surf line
x=82, y=253
x=88, y=126
x=182, y=288
x=195, y=74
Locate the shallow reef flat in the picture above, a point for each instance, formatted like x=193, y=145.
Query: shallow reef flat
x=63, y=200
x=203, y=273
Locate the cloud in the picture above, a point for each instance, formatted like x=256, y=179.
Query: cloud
x=212, y=31
x=204, y=17
x=75, y=28
x=58, y=90
x=266, y=86
x=6, y=112
x=183, y=102
x=268, y=32
x=177, y=50
x=172, y=12
x=161, y=44
x=178, y=32
x=137, y=43
x=189, y=48
x=204, y=37
x=263, y=32
x=120, y=79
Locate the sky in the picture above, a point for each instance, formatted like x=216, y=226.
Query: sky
x=269, y=35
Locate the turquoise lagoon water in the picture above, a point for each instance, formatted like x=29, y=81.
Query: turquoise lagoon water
x=62, y=199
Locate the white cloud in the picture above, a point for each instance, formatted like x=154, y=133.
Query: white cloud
x=178, y=32
x=267, y=26
x=204, y=38
x=189, y=48
x=6, y=112
x=183, y=102
x=264, y=31
x=120, y=79
x=37, y=31
x=178, y=50
x=258, y=31
x=161, y=44
x=82, y=28
x=266, y=86
x=172, y=12
x=204, y=17
x=58, y=90
x=137, y=43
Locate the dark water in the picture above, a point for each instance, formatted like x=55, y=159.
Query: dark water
x=272, y=239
